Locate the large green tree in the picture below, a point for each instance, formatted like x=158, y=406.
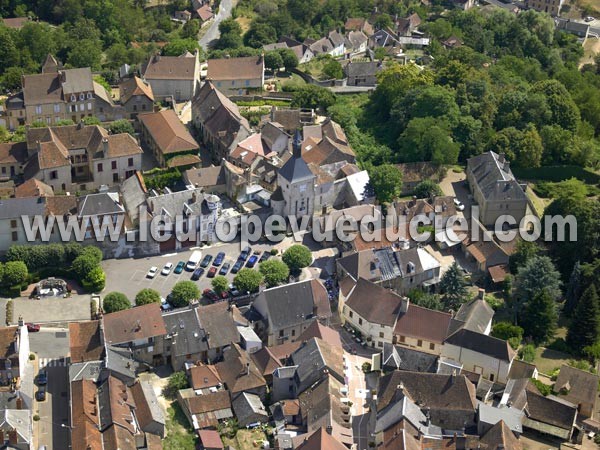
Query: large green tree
x=147, y=295
x=540, y=317
x=274, y=271
x=115, y=301
x=585, y=325
x=248, y=280
x=453, y=287
x=386, y=182
x=297, y=257
x=183, y=293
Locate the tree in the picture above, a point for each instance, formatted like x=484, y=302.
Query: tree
x=14, y=273
x=146, y=296
x=220, y=284
x=115, y=301
x=506, y=330
x=95, y=280
x=183, y=293
x=537, y=275
x=585, y=324
x=312, y=96
x=564, y=110
x=11, y=79
x=427, y=189
x=190, y=29
x=453, y=286
x=289, y=58
x=540, y=317
x=273, y=60
x=248, y=280
x=83, y=265
x=428, y=139
x=87, y=53
x=259, y=34
x=274, y=271
x=332, y=69
x=386, y=182
x=297, y=257
x=425, y=299
x=177, y=381
x=121, y=126
x=178, y=47
x=524, y=251
x=573, y=290
x=91, y=120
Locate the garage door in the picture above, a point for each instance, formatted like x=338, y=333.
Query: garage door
x=168, y=245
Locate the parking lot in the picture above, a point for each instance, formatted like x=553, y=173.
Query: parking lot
x=129, y=275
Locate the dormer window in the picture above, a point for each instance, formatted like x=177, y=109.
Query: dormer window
x=82, y=96
x=73, y=97
x=89, y=95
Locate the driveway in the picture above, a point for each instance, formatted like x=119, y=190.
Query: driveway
x=52, y=310
x=212, y=34
x=3, y=302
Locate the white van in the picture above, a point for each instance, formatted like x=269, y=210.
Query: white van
x=194, y=260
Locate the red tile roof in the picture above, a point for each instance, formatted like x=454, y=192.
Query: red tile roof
x=141, y=322
x=423, y=323
x=170, y=135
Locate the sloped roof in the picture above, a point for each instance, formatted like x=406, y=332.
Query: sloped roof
x=85, y=420
x=475, y=314
x=319, y=439
x=296, y=169
x=265, y=361
x=85, y=341
x=13, y=153
x=77, y=80
x=168, y=132
x=133, y=87
x=33, y=188
x=170, y=68
x=494, y=177
x=315, y=357
x=204, y=376
x=217, y=321
x=245, y=68
x=581, y=386
x=238, y=371
x=318, y=330
x=423, y=323
x=499, y=437
x=374, y=303
x=147, y=408
x=41, y=89
x=482, y=343
x=141, y=322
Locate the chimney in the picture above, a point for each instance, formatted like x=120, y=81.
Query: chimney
x=19, y=403
x=297, y=145
x=20, y=322
x=481, y=294
x=157, y=57
x=506, y=166
x=247, y=368
x=329, y=429
x=105, y=146
x=12, y=437
x=501, y=158
x=1, y=437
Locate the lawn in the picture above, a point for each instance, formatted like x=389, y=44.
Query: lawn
x=180, y=436
x=547, y=360
x=246, y=439
x=244, y=22
x=539, y=203
x=292, y=81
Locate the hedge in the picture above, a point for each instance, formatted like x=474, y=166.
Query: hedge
x=556, y=173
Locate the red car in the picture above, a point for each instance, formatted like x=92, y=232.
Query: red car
x=212, y=272
x=210, y=294
x=33, y=327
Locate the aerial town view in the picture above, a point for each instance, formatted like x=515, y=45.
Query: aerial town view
x=299, y=224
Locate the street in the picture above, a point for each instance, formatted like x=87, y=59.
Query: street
x=51, y=345
x=212, y=34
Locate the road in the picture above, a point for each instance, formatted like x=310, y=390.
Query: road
x=52, y=348
x=212, y=34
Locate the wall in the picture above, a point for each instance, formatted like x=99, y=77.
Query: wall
x=169, y=88
x=470, y=360
x=368, y=329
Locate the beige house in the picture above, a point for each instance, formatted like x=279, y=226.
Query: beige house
x=551, y=7
x=13, y=156
x=173, y=77
x=168, y=139
x=237, y=76
x=80, y=158
x=136, y=97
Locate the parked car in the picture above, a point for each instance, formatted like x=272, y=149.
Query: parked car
x=264, y=257
x=166, y=270
x=165, y=305
x=459, y=205
x=237, y=266
x=42, y=378
x=245, y=253
x=219, y=259
x=210, y=294
x=206, y=261
x=152, y=272
x=252, y=261
x=233, y=291
x=197, y=273
x=40, y=395
x=179, y=267
x=33, y=327
x=224, y=269
x=212, y=272
x=589, y=19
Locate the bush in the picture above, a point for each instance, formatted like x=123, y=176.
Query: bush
x=177, y=381
x=83, y=265
x=14, y=273
x=297, y=257
x=274, y=251
x=162, y=179
x=560, y=345
x=366, y=367
x=544, y=389
x=94, y=281
x=36, y=418
x=9, y=312
x=121, y=126
x=427, y=189
x=247, y=280
x=115, y=301
x=506, y=330
x=220, y=284
x=146, y=296
x=183, y=293
x=31, y=356
x=527, y=353
x=274, y=271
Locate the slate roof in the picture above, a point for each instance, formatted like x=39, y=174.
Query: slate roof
x=181, y=202
x=14, y=208
x=296, y=169
x=41, y=89
x=238, y=371
x=494, y=178
x=403, y=358
x=170, y=68
x=581, y=386
x=315, y=357
x=511, y=417
x=190, y=337
x=103, y=203
x=521, y=369
x=356, y=39
x=133, y=193
x=551, y=410
x=361, y=69
x=170, y=135
x=133, y=87
x=481, y=343
x=249, y=408
x=206, y=176
x=423, y=323
x=77, y=81
x=217, y=322
x=85, y=341
x=141, y=322
x=475, y=315
x=374, y=303
x=245, y=68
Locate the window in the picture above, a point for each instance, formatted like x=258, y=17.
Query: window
x=13, y=223
x=360, y=321
x=53, y=175
x=293, y=333
x=57, y=119
x=89, y=106
x=89, y=95
x=351, y=314
x=3, y=170
x=135, y=107
x=419, y=343
x=431, y=346
x=380, y=344
x=491, y=377
x=130, y=162
x=144, y=107
x=280, y=333
x=82, y=96
x=38, y=109
x=247, y=82
x=402, y=339
x=115, y=177
x=113, y=165
x=73, y=108
x=233, y=82
x=48, y=120
x=56, y=107
x=100, y=167
x=381, y=334
x=15, y=236
x=101, y=109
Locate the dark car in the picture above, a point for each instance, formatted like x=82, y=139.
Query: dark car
x=33, y=327
x=224, y=269
x=219, y=259
x=40, y=395
x=42, y=378
x=179, y=267
x=210, y=294
x=206, y=261
x=237, y=266
x=197, y=273
x=212, y=272
x=264, y=257
x=245, y=253
x=252, y=261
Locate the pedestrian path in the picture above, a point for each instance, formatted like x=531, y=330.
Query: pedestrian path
x=52, y=362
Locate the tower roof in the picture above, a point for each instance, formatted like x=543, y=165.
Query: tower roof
x=295, y=169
